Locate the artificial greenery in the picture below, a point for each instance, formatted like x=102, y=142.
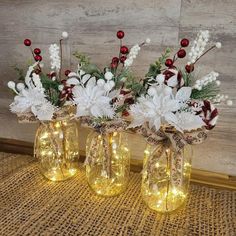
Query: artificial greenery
x=207, y=92
x=20, y=73
x=83, y=59
x=155, y=69
x=51, y=88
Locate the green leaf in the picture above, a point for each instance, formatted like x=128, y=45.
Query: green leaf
x=83, y=59
x=92, y=69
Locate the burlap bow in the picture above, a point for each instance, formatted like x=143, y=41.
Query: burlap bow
x=168, y=136
x=105, y=131
x=63, y=113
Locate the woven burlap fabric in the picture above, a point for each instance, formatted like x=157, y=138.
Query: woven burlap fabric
x=31, y=205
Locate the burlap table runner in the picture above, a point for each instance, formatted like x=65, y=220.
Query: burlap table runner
x=30, y=205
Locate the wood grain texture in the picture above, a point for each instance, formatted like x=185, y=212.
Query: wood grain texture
x=92, y=26
x=218, y=152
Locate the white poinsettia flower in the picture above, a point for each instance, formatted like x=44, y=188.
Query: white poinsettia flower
x=187, y=121
x=156, y=110
x=43, y=111
x=72, y=81
x=183, y=94
x=92, y=100
x=33, y=100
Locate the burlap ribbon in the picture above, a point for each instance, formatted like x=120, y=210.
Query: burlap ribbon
x=105, y=130
x=168, y=136
x=63, y=113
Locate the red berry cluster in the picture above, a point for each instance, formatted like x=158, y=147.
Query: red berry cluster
x=180, y=54
x=36, y=52
x=123, y=51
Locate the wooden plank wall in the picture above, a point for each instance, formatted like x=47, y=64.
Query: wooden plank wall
x=92, y=26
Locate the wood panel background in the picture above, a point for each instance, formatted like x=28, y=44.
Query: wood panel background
x=92, y=26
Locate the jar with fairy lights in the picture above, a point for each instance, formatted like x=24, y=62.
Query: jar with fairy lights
x=107, y=162
x=57, y=149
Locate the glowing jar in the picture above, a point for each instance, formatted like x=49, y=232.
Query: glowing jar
x=166, y=176
x=107, y=163
x=57, y=149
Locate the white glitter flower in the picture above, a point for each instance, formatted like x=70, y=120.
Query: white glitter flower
x=156, y=110
x=92, y=100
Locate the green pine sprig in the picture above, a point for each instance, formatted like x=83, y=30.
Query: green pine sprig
x=155, y=68
x=20, y=73
x=207, y=92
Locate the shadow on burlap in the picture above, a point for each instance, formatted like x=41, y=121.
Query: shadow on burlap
x=31, y=205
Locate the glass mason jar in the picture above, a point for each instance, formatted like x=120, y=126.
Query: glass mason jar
x=57, y=149
x=166, y=176
x=107, y=162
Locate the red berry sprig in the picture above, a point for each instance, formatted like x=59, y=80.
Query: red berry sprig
x=115, y=60
x=189, y=68
x=120, y=34
x=184, y=42
x=37, y=51
x=124, y=50
x=169, y=62
x=38, y=58
x=114, y=65
x=122, y=59
x=181, y=53
x=27, y=42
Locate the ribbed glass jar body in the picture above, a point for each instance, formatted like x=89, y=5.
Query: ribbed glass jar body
x=166, y=176
x=57, y=149
x=107, y=162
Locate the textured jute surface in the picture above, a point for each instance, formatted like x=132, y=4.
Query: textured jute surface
x=31, y=205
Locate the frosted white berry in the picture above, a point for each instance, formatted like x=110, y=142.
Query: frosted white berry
x=108, y=75
x=218, y=45
x=65, y=35
x=198, y=46
x=148, y=40
x=11, y=85
x=60, y=87
x=229, y=102
x=20, y=86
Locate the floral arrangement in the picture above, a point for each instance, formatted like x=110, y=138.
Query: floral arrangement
x=168, y=95
x=38, y=96
x=105, y=95
x=175, y=96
